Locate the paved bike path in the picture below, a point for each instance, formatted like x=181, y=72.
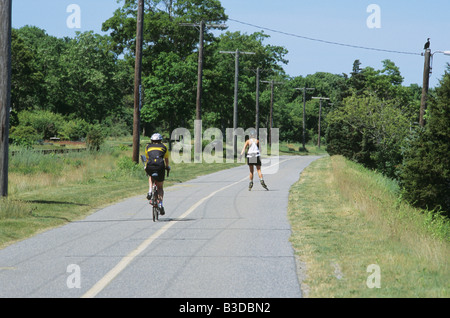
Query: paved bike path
x=217, y=239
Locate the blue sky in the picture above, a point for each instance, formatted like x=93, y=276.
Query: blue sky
x=404, y=26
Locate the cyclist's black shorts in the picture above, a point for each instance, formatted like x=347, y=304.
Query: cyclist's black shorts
x=161, y=173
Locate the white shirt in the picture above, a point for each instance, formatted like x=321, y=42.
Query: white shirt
x=253, y=150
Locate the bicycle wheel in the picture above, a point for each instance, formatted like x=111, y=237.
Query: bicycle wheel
x=155, y=213
x=155, y=204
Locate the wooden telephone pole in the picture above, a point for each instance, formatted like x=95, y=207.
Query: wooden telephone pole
x=426, y=81
x=272, y=87
x=5, y=91
x=320, y=115
x=258, y=75
x=304, y=112
x=198, y=109
x=138, y=82
x=236, y=91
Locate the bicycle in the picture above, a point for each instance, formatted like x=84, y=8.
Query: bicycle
x=154, y=200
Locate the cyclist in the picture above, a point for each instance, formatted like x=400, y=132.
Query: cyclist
x=253, y=158
x=157, y=162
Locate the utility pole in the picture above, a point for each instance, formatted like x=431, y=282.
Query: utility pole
x=138, y=82
x=258, y=75
x=426, y=80
x=272, y=85
x=320, y=115
x=304, y=112
x=5, y=91
x=258, y=72
x=198, y=110
x=236, y=91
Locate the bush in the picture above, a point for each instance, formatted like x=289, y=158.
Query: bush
x=24, y=136
x=95, y=138
x=425, y=172
x=46, y=124
x=370, y=131
x=342, y=139
x=75, y=129
x=116, y=127
x=128, y=167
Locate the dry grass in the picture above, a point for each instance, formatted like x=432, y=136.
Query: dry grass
x=397, y=220
x=346, y=218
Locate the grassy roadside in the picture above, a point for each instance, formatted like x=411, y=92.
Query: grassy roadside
x=345, y=218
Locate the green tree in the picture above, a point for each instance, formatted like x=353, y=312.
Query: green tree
x=425, y=173
x=26, y=83
x=376, y=130
x=162, y=29
x=46, y=51
x=357, y=79
x=90, y=78
x=170, y=93
x=220, y=73
x=169, y=53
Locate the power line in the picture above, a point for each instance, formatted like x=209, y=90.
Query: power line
x=324, y=41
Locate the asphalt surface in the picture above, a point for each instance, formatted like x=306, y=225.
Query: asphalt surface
x=217, y=239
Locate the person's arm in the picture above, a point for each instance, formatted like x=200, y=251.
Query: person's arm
x=243, y=149
x=166, y=159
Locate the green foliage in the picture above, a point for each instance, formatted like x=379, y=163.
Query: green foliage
x=74, y=129
x=25, y=136
x=26, y=81
x=170, y=92
x=370, y=131
x=343, y=139
x=425, y=173
x=219, y=78
x=90, y=70
x=95, y=138
x=118, y=126
x=46, y=123
x=128, y=167
x=79, y=76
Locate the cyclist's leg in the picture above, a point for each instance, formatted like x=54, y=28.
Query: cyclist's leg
x=150, y=186
x=160, y=186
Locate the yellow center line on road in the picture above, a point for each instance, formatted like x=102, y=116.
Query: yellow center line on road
x=109, y=277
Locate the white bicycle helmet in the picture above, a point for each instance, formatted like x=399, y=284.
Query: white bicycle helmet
x=156, y=137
